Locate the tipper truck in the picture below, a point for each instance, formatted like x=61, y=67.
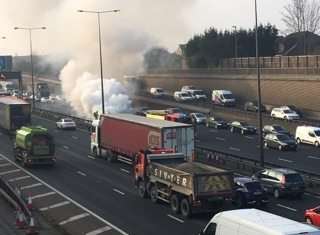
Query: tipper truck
x=14, y=113
x=34, y=146
x=122, y=136
x=189, y=187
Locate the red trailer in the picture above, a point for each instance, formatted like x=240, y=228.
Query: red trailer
x=124, y=135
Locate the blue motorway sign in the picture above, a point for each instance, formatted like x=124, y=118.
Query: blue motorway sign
x=5, y=63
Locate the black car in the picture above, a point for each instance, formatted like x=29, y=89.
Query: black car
x=142, y=111
x=280, y=141
x=242, y=127
x=249, y=192
x=216, y=122
x=281, y=182
x=253, y=106
x=275, y=129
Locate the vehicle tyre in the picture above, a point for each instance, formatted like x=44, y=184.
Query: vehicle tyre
x=175, y=203
x=207, y=124
x=242, y=132
x=286, y=118
x=95, y=152
x=316, y=144
x=232, y=130
x=308, y=220
x=265, y=144
x=185, y=208
x=142, y=189
x=298, y=141
x=280, y=147
x=276, y=193
x=239, y=201
x=154, y=194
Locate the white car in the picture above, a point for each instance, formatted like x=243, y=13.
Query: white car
x=308, y=135
x=198, y=94
x=198, y=118
x=286, y=114
x=66, y=123
x=181, y=96
x=156, y=91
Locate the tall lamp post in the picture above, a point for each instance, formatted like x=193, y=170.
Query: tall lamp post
x=30, y=29
x=98, y=13
x=235, y=42
x=261, y=150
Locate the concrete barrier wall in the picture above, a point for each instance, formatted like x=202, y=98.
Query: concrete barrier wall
x=300, y=90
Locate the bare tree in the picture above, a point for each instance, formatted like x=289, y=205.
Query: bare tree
x=302, y=16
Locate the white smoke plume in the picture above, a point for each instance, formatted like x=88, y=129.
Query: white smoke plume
x=140, y=25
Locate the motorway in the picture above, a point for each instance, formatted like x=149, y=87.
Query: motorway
x=108, y=190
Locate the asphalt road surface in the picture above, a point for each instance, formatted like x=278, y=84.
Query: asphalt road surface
x=107, y=189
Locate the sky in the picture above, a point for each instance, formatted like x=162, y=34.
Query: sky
x=174, y=23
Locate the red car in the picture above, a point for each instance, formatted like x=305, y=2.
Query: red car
x=312, y=216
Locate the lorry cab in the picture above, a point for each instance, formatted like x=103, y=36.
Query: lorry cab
x=223, y=97
x=94, y=143
x=255, y=222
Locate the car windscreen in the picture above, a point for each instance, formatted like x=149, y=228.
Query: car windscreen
x=293, y=178
x=185, y=95
x=198, y=93
x=278, y=128
x=200, y=115
x=228, y=96
x=288, y=111
x=253, y=186
x=68, y=120
x=283, y=137
x=317, y=132
x=244, y=124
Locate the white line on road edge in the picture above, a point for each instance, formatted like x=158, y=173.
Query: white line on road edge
x=175, y=218
x=124, y=170
x=221, y=139
x=81, y=173
x=118, y=191
x=5, y=164
x=66, y=147
x=55, y=206
x=43, y=195
x=67, y=198
x=286, y=207
x=19, y=178
x=74, y=218
x=285, y=160
x=9, y=172
x=99, y=230
x=91, y=157
x=313, y=157
x=235, y=149
x=248, y=137
x=31, y=186
x=312, y=195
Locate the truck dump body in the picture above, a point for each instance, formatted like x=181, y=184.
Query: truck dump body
x=127, y=134
x=14, y=113
x=191, y=178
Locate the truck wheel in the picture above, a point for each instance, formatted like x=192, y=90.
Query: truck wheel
x=276, y=193
x=316, y=144
x=175, y=203
x=95, y=152
x=185, y=208
x=154, y=194
x=142, y=189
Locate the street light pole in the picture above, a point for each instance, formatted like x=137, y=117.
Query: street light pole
x=30, y=29
x=261, y=150
x=100, y=51
x=235, y=42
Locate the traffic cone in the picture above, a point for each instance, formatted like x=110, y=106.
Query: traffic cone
x=31, y=230
x=20, y=219
x=29, y=203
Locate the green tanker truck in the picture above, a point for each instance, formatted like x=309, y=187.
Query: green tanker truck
x=34, y=146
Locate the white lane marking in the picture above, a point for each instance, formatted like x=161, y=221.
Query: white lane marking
x=67, y=198
x=19, y=178
x=248, y=137
x=235, y=149
x=99, y=230
x=65, y=147
x=75, y=137
x=118, y=191
x=314, y=157
x=74, y=218
x=175, y=218
x=91, y=157
x=42, y=195
x=81, y=173
x=5, y=164
x=9, y=172
x=31, y=186
x=285, y=160
x=60, y=204
x=312, y=195
x=286, y=207
x=124, y=170
x=220, y=138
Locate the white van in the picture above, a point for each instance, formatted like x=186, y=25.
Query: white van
x=255, y=222
x=156, y=91
x=223, y=97
x=308, y=135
